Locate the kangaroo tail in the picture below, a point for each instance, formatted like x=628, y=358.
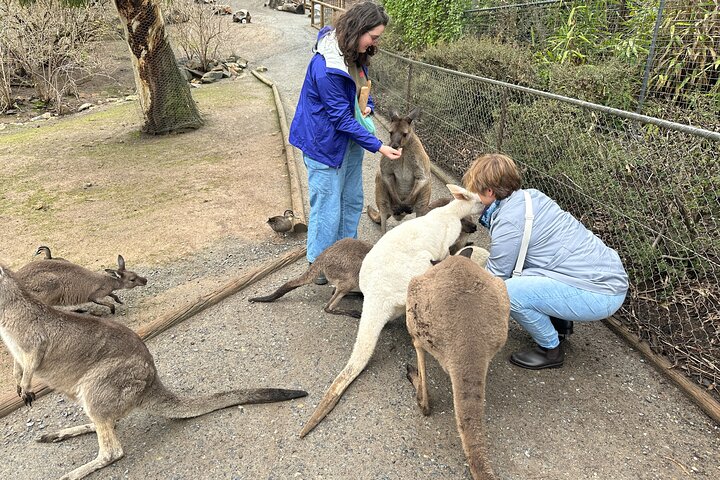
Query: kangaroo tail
x=165, y=403
x=304, y=279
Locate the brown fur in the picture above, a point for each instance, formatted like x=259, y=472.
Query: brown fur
x=102, y=365
x=459, y=312
x=403, y=186
x=340, y=263
x=66, y=283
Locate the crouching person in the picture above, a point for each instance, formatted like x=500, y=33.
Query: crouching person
x=559, y=273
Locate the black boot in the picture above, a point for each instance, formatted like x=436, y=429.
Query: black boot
x=539, y=357
x=563, y=327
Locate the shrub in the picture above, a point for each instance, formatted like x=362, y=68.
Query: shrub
x=202, y=36
x=486, y=58
x=612, y=83
x=50, y=46
x=426, y=22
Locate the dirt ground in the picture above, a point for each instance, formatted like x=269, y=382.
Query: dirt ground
x=188, y=211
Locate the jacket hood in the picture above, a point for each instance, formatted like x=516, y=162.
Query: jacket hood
x=328, y=47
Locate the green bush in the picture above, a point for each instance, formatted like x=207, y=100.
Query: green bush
x=486, y=58
x=612, y=83
x=426, y=22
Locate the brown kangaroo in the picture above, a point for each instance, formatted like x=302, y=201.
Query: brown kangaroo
x=340, y=263
x=459, y=312
x=402, y=186
x=102, y=365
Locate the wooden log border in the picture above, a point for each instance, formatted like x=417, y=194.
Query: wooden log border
x=296, y=199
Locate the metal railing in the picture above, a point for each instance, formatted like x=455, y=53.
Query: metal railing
x=647, y=186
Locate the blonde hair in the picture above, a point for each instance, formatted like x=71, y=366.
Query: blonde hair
x=494, y=171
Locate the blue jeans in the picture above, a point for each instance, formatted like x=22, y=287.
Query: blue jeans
x=533, y=300
x=336, y=200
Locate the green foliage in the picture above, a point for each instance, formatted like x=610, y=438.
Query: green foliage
x=426, y=22
x=612, y=82
x=576, y=38
x=486, y=58
x=689, y=61
x=666, y=207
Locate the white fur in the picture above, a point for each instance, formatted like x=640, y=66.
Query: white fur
x=401, y=254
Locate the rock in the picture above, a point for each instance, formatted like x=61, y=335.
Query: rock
x=212, y=76
x=186, y=74
x=242, y=16
x=84, y=106
x=44, y=116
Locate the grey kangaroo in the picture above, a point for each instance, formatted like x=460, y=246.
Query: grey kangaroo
x=67, y=283
x=102, y=365
x=402, y=186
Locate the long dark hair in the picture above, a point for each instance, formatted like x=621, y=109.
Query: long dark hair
x=353, y=24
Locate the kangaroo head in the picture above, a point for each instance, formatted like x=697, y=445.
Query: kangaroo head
x=472, y=200
x=401, y=128
x=128, y=279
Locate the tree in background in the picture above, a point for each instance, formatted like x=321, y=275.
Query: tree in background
x=164, y=94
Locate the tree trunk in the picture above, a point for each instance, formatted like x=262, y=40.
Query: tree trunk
x=164, y=94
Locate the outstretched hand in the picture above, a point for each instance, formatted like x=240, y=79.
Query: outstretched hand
x=390, y=152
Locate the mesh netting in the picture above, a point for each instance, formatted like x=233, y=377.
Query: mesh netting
x=673, y=44
x=649, y=188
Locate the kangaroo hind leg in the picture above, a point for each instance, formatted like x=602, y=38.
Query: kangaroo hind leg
x=110, y=451
x=66, y=433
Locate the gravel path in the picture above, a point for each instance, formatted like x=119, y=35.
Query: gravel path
x=607, y=414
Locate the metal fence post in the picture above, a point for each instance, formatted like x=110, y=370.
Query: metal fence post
x=651, y=56
x=408, y=89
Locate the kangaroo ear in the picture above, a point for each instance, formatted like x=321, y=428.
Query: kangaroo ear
x=2, y=271
x=394, y=115
x=113, y=273
x=414, y=115
x=457, y=192
x=121, y=262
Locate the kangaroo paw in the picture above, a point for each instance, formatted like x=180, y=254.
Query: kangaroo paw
x=28, y=397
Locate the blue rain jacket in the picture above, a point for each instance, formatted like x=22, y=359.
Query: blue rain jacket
x=325, y=121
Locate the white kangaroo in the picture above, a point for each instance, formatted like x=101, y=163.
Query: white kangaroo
x=404, y=252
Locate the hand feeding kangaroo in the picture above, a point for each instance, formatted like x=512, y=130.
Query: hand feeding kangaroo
x=102, y=365
x=402, y=186
x=401, y=254
x=66, y=283
x=458, y=312
x=340, y=263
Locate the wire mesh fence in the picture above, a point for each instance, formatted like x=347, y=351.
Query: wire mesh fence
x=648, y=187
x=673, y=45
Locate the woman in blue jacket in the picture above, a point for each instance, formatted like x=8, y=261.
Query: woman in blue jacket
x=327, y=125
x=564, y=272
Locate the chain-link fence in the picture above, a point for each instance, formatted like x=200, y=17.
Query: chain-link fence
x=672, y=47
x=648, y=187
